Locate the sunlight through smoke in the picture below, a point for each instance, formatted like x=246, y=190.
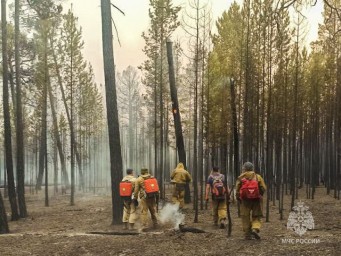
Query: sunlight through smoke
x=170, y=214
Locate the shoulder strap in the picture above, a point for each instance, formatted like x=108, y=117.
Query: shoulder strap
x=256, y=177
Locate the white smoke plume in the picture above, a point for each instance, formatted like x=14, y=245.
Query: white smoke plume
x=170, y=214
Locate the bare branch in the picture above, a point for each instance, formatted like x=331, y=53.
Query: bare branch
x=333, y=8
x=118, y=9
x=289, y=4
x=118, y=38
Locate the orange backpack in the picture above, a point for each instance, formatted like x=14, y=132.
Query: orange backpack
x=126, y=189
x=151, y=187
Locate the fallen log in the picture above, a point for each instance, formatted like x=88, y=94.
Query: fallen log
x=113, y=233
x=182, y=228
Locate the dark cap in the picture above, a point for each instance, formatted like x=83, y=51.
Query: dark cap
x=144, y=171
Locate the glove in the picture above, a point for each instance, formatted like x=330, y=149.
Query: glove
x=135, y=202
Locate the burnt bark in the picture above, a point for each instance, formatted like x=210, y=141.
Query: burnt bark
x=112, y=113
x=20, y=124
x=177, y=117
x=7, y=118
x=3, y=217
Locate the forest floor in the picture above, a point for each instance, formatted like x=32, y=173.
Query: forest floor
x=61, y=229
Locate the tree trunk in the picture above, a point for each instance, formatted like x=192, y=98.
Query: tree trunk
x=247, y=154
x=60, y=149
x=3, y=217
x=43, y=144
x=7, y=117
x=57, y=138
x=78, y=158
x=235, y=130
x=55, y=169
x=20, y=126
x=112, y=114
x=72, y=134
x=176, y=115
x=175, y=108
x=160, y=170
x=44, y=135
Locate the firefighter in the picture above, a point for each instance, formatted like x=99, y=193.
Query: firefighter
x=250, y=200
x=147, y=202
x=216, y=185
x=179, y=177
x=129, y=209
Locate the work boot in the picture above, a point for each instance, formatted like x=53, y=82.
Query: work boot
x=131, y=226
x=254, y=233
x=125, y=227
x=145, y=229
x=248, y=237
x=222, y=224
x=156, y=226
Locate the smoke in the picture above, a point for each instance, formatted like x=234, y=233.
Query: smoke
x=170, y=214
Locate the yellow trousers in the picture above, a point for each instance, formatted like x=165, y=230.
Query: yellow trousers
x=129, y=212
x=148, y=205
x=251, y=214
x=219, y=210
x=178, y=196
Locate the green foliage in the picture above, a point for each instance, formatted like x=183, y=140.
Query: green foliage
x=78, y=79
x=163, y=21
x=45, y=9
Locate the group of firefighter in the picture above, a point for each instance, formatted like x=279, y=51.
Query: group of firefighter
x=143, y=191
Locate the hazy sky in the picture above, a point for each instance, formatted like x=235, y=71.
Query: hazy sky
x=135, y=21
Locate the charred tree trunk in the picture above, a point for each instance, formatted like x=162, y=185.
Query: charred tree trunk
x=44, y=113
x=176, y=115
x=160, y=170
x=175, y=107
x=195, y=121
x=20, y=126
x=43, y=141
x=247, y=152
x=3, y=217
x=293, y=138
x=112, y=113
x=235, y=130
x=7, y=117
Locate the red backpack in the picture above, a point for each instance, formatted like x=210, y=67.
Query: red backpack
x=151, y=187
x=126, y=189
x=250, y=189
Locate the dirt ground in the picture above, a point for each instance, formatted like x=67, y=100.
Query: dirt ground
x=61, y=229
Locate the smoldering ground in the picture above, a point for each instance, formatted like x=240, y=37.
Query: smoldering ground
x=170, y=214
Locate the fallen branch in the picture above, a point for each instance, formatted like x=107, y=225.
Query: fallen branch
x=182, y=228
x=112, y=233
